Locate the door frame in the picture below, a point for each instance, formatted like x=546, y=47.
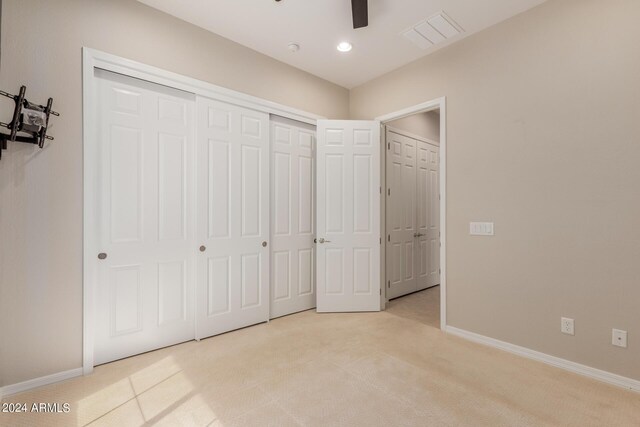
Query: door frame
x=94, y=59
x=434, y=104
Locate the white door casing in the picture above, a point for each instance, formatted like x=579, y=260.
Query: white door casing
x=145, y=275
x=232, y=217
x=348, y=216
x=292, y=216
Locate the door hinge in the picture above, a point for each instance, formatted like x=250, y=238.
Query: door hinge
x=389, y=192
x=380, y=190
x=389, y=238
x=381, y=240
x=388, y=146
x=380, y=291
x=388, y=283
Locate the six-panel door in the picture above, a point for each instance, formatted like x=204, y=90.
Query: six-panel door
x=232, y=217
x=144, y=295
x=401, y=215
x=428, y=216
x=348, y=216
x=292, y=216
x=413, y=211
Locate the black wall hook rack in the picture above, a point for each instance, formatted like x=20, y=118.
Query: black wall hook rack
x=28, y=118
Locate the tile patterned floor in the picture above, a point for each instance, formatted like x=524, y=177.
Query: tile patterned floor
x=372, y=369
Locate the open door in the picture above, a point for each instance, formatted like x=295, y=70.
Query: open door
x=348, y=216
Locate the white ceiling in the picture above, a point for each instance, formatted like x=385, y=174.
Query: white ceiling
x=319, y=25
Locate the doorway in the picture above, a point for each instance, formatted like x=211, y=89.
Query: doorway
x=414, y=212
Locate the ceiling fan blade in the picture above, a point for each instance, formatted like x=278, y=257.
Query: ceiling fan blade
x=360, y=12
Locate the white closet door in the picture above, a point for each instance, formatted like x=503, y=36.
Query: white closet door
x=348, y=216
x=402, y=270
x=145, y=290
x=292, y=216
x=428, y=197
x=233, y=217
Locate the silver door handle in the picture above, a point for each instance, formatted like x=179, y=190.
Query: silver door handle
x=322, y=240
x=418, y=234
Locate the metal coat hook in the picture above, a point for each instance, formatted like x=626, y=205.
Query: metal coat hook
x=28, y=118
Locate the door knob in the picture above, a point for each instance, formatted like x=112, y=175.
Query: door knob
x=264, y=244
x=203, y=248
x=102, y=255
x=322, y=240
x=418, y=234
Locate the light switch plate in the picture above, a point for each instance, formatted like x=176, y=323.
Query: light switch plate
x=619, y=338
x=481, y=228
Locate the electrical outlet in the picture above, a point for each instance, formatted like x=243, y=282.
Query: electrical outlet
x=566, y=326
x=619, y=338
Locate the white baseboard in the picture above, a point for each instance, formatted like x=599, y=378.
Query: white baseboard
x=39, y=382
x=587, y=371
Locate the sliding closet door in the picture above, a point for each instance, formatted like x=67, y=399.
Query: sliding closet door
x=145, y=289
x=401, y=215
x=292, y=216
x=233, y=217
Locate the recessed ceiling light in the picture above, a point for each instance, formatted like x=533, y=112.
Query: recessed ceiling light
x=293, y=47
x=344, y=47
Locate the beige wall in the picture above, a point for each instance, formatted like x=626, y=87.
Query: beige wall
x=41, y=191
x=426, y=125
x=543, y=125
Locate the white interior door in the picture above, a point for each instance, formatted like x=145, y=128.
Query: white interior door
x=401, y=215
x=348, y=216
x=145, y=290
x=413, y=210
x=428, y=253
x=233, y=217
x=292, y=216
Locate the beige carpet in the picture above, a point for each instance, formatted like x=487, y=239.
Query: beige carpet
x=423, y=307
x=373, y=369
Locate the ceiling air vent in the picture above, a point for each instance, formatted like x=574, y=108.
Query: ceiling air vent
x=432, y=31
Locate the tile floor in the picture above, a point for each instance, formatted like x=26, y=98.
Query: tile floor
x=392, y=368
